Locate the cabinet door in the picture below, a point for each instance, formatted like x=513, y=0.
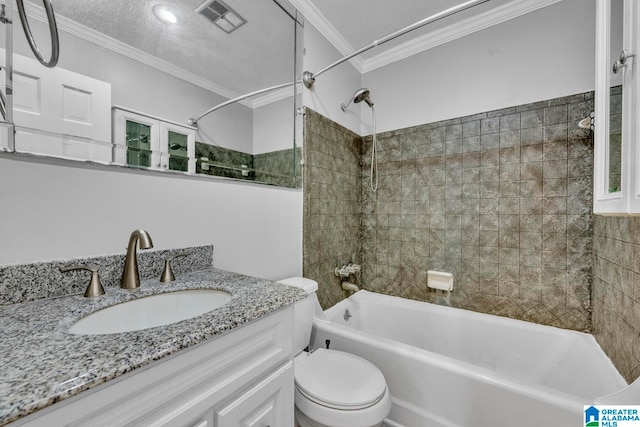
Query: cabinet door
x=178, y=146
x=268, y=404
x=135, y=139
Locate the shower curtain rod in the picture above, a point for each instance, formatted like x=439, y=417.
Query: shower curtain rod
x=194, y=122
x=309, y=78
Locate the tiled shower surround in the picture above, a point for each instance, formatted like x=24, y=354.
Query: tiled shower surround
x=616, y=291
x=331, y=182
x=502, y=199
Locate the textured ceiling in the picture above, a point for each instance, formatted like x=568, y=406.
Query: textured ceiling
x=257, y=55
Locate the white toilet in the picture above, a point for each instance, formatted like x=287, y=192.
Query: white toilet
x=333, y=388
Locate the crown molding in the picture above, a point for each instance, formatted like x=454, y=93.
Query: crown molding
x=69, y=26
x=417, y=45
x=313, y=16
x=452, y=32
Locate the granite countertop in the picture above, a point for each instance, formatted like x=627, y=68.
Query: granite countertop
x=43, y=364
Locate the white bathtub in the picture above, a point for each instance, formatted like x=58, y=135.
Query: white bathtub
x=452, y=367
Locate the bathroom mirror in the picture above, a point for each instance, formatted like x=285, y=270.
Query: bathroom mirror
x=167, y=61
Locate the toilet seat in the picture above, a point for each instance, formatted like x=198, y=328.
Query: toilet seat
x=339, y=380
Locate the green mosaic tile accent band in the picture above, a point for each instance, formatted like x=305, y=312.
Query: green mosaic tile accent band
x=272, y=168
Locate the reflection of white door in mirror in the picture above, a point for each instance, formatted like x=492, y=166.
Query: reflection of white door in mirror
x=60, y=113
x=149, y=142
x=617, y=155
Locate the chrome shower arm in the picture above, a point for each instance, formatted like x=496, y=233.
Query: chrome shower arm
x=344, y=106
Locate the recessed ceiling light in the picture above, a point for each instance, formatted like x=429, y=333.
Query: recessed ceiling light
x=164, y=14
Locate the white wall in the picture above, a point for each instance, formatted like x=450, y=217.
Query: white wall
x=545, y=54
x=67, y=210
x=333, y=87
x=273, y=126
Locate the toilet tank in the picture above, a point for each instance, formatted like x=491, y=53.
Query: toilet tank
x=304, y=310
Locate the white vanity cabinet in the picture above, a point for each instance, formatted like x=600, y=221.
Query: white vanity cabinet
x=242, y=378
x=617, y=137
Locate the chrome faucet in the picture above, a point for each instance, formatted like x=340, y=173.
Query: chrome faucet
x=130, y=274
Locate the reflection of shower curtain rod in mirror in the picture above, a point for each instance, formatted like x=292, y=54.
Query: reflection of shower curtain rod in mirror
x=309, y=78
x=194, y=122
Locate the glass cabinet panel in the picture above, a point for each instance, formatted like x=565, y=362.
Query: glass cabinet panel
x=135, y=139
x=178, y=152
x=615, y=100
x=615, y=139
x=138, y=144
x=177, y=144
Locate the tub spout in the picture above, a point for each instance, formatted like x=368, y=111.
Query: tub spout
x=347, y=286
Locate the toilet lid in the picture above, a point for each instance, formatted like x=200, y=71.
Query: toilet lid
x=340, y=380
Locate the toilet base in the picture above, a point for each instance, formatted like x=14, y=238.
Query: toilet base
x=302, y=420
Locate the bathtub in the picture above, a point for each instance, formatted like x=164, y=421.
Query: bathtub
x=451, y=367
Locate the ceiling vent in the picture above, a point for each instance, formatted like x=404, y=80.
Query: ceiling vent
x=221, y=14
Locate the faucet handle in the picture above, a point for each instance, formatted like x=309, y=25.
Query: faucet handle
x=167, y=273
x=94, y=288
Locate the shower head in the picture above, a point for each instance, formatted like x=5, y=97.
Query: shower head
x=360, y=95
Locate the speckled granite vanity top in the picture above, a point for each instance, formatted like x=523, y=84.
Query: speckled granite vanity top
x=43, y=364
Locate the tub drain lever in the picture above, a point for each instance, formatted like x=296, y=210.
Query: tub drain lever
x=327, y=342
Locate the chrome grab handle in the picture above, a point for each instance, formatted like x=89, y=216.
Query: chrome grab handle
x=53, y=30
x=94, y=288
x=622, y=62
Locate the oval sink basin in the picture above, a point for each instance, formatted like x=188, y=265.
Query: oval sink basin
x=149, y=312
